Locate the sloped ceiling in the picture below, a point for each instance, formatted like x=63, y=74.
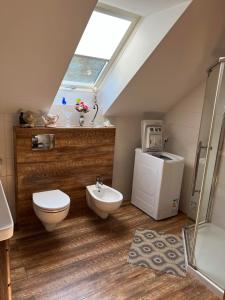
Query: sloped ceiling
x=142, y=7
x=179, y=63
x=38, y=39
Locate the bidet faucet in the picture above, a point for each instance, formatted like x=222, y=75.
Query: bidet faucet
x=99, y=183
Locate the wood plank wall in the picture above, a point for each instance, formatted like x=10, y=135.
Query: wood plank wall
x=5, y=284
x=79, y=155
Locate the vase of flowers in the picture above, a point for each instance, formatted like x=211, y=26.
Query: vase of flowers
x=81, y=119
x=82, y=108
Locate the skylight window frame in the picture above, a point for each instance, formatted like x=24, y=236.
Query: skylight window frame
x=66, y=84
x=115, y=12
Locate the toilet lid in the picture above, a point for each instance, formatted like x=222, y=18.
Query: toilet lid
x=51, y=200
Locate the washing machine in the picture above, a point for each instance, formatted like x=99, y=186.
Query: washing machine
x=157, y=175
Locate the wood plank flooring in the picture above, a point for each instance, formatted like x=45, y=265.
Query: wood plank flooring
x=86, y=258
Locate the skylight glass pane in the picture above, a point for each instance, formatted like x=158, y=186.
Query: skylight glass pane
x=102, y=35
x=83, y=70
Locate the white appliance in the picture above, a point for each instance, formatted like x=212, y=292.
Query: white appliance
x=157, y=183
x=152, y=135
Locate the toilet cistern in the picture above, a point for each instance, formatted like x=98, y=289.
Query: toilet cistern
x=99, y=183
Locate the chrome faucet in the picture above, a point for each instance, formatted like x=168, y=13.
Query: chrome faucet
x=99, y=183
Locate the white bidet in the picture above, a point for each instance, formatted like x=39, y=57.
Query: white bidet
x=103, y=200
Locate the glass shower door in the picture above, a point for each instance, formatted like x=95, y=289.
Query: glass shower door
x=200, y=160
x=208, y=255
x=203, y=139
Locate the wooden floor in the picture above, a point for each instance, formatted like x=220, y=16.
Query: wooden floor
x=86, y=258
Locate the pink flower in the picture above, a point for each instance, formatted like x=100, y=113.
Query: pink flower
x=81, y=106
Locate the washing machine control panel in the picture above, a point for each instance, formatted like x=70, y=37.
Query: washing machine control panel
x=152, y=136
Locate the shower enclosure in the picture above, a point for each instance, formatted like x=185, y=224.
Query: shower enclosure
x=205, y=240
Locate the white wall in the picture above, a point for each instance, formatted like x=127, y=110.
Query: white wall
x=179, y=62
x=68, y=114
x=183, y=123
x=148, y=34
x=128, y=137
x=7, y=157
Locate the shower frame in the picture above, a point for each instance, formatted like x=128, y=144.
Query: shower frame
x=190, y=232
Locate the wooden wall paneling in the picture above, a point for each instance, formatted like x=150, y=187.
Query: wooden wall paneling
x=79, y=156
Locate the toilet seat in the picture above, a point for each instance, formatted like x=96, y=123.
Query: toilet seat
x=51, y=201
x=52, y=211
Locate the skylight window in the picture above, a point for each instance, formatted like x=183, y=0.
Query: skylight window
x=102, y=35
x=100, y=43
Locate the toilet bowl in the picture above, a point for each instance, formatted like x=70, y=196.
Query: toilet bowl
x=103, y=200
x=51, y=207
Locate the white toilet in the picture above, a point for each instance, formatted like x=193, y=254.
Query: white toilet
x=51, y=207
x=103, y=200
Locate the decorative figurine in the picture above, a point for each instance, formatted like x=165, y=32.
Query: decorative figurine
x=21, y=119
x=64, y=102
x=29, y=119
x=50, y=120
x=95, y=106
x=26, y=119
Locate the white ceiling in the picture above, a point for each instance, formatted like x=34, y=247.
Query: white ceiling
x=142, y=7
x=37, y=39
x=179, y=63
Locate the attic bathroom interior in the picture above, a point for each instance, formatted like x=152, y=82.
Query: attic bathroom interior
x=112, y=152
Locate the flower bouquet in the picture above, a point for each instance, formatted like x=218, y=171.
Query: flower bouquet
x=82, y=108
